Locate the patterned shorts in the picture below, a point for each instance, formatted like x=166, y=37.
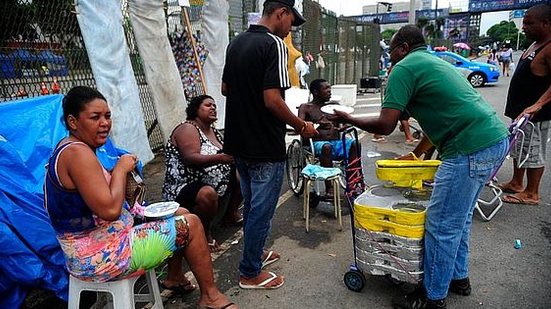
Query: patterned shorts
x=534, y=146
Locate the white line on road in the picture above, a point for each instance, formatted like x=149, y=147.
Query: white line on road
x=367, y=105
x=367, y=99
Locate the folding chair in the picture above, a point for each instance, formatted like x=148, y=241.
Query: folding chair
x=517, y=130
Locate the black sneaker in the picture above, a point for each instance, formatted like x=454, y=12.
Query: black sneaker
x=418, y=300
x=461, y=287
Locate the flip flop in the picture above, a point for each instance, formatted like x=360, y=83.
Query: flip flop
x=378, y=140
x=181, y=288
x=263, y=285
x=213, y=246
x=507, y=189
x=210, y=307
x=513, y=199
x=270, y=258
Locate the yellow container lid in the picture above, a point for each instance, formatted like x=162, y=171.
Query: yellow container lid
x=406, y=173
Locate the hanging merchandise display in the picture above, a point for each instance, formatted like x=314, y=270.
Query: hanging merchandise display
x=184, y=56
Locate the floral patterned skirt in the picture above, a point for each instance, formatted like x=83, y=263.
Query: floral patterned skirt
x=115, y=249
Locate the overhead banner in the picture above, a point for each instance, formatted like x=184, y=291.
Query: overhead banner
x=397, y=17
x=478, y=6
x=456, y=27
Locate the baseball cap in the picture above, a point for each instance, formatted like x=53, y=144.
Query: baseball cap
x=299, y=20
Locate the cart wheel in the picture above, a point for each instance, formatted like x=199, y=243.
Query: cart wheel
x=295, y=164
x=417, y=135
x=354, y=280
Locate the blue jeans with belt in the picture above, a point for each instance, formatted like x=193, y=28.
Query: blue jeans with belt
x=260, y=186
x=458, y=183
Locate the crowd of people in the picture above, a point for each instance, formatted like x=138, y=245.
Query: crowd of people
x=210, y=174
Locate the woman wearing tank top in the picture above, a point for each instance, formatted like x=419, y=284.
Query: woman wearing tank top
x=506, y=58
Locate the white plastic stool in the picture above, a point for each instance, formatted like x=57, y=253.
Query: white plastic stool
x=311, y=174
x=122, y=291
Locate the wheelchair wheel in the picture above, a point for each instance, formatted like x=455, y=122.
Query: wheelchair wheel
x=295, y=163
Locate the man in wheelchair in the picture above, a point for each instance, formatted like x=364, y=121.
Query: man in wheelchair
x=328, y=145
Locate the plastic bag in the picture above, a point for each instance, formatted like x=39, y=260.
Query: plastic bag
x=512, y=67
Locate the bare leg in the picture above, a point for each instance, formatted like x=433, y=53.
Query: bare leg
x=407, y=130
x=326, y=160
x=198, y=257
x=232, y=213
x=531, y=192
x=515, y=185
x=206, y=207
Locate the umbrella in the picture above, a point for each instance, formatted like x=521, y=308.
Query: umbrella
x=462, y=45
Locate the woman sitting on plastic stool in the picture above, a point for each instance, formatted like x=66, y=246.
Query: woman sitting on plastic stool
x=92, y=220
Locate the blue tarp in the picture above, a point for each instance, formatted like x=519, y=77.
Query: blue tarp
x=7, y=67
x=57, y=66
x=31, y=256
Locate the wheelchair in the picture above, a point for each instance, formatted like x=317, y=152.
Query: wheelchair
x=299, y=154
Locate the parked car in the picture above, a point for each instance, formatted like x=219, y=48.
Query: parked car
x=480, y=72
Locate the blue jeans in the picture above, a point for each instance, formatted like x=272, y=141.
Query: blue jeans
x=458, y=183
x=260, y=186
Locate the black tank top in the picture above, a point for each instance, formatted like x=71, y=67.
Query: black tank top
x=526, y=88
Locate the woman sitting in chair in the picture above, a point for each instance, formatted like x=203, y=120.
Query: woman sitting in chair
x=198, y=175
x=93, y=225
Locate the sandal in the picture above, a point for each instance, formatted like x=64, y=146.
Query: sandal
x=181, y=288
x=378, y=139
x=264, y=284
x=214, y=246
x=271, y=257
x=210, y=307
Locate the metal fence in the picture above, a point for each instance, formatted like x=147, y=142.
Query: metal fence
x=42, y=52
x=343, y=50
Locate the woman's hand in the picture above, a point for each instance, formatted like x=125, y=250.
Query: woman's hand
x=225, y=158
x=127, y=163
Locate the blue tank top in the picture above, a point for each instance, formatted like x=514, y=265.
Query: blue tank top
x=66, y=208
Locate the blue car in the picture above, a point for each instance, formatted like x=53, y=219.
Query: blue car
x=478, y=74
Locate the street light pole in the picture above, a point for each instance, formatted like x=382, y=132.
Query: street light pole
x=377, y=13
x=411, y=16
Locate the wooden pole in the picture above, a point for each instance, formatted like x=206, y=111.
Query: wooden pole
x=194, y=47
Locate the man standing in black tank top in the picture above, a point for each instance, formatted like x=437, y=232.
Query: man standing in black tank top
x=530, y=94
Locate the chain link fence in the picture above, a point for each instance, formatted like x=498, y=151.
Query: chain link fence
x=42, y=52
x=342, y=50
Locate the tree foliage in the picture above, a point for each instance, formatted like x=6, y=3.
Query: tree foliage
x=506, y=31
x=387, y=34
